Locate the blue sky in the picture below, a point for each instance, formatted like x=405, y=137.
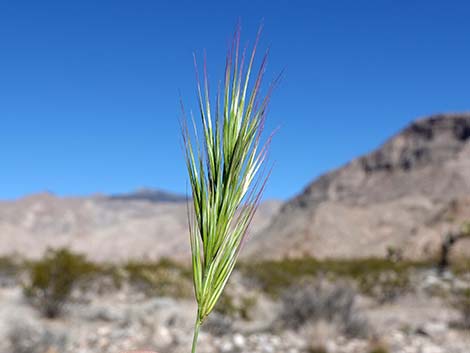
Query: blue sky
x=89, y=89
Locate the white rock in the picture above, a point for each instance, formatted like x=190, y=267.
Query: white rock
x=226, y=346
x=239, y=340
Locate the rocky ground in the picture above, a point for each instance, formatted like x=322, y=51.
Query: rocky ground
x=422, y=321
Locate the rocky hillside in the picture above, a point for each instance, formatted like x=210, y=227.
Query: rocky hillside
x=403, y=196
x=145, y=224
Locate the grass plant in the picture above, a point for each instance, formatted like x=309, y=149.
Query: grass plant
x=225, y=162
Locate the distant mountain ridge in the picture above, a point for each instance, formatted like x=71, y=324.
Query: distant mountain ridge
x=151, y=195
x=394, y=197
x=147, y=224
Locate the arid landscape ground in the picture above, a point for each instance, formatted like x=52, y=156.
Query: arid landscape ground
x=349, y=265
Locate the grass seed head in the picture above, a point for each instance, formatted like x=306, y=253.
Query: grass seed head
x=225, y=160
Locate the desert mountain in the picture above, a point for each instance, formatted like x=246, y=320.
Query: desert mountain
x=403, y=196
x=145, y=224
x=151, y=195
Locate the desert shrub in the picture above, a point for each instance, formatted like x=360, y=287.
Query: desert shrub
x=380, y=278
x=26, y=337
x=313, y=302
x=379, y=349
x=106, y=278
x=394, y=254
x=226, y=306
x=385, y=286
x=274, y=276
x=239, y=307
x=8, y=264
x=9, y=269
x=461, y=266
x=52, y=279
x=316, y=349
x=162, y=278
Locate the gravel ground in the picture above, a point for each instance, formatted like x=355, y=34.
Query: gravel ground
x=123, y=320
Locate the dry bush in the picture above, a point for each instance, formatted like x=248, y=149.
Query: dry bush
x=381, y=279
x=52, y=279
x=379, y=349
x=162, y=278
x=25, y=337
x=239, y=306
x=314, y=302
x=9, y=270
x=316, y=349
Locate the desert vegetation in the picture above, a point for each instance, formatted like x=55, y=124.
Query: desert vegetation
x=323, y=301
x=52, y=279
x=162, y=278
x=313, y=302
x=48, y=283
x=380, y=278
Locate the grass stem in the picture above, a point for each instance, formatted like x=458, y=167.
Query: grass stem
x=197, y=325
